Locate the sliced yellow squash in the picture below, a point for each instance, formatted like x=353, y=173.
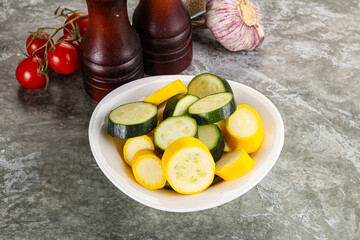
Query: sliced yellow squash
x=243, y=129
x=166, y=92
x=234, y=164
x=132, y=145
x=188, y=165
x=146, y=167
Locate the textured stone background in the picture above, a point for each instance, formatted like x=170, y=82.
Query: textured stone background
x=308, y=66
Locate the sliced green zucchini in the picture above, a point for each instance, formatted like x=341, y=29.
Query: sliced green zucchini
x=212, y=137
x=132, y=120
x=178, y=105
x=221, y=126
x=205, y=84
x=172, y=129
x=212, y=108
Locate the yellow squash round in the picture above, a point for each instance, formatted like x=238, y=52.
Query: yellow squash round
x=243, y=129
x=188, y=165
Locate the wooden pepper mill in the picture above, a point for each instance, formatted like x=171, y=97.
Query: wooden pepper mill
x=111, y=53
x=165, y=30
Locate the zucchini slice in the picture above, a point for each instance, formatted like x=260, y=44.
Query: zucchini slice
x=132, y=120
x=206, y=83
x=212, y=108
x=172, y=129
x=178, y=105
x=161, y=109
x=212, y=137
x=221, y=126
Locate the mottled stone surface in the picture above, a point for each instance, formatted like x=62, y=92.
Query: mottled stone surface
x=308, y=66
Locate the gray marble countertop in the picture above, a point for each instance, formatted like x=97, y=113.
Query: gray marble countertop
x=308, y=66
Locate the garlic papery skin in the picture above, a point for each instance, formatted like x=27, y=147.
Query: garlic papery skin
x=235, y=24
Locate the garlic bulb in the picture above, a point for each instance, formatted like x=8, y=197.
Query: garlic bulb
x=235, y=24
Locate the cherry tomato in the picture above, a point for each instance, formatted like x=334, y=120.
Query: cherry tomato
x=64, y=59
x=76, y=44
x=27, y=73
x=82, y=23
x=35, y=44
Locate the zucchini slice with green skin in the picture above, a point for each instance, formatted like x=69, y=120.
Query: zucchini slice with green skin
x=178, y=105
x=172, y=129
x=206, y=83
x=132, y=120
x=213, y=139
x=213, y=108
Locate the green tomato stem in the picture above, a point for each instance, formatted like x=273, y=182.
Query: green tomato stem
x=37, y=34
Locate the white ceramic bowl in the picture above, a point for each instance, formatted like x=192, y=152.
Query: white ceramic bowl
x=106, y=149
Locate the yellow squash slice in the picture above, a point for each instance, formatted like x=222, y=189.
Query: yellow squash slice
x=243, y=129
x=166, y=92
x=146, y=167
x=132, y=145
x=188, y=165
x=234, y=164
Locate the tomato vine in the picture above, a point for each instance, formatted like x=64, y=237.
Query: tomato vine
x=40, y=43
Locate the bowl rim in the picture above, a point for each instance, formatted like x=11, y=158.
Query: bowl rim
x=184, y=78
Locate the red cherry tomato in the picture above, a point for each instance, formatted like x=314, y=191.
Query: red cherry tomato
x=27, y=73
x=36, y=44
x=82, y=23
x=64, y=59
x=76, y=44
